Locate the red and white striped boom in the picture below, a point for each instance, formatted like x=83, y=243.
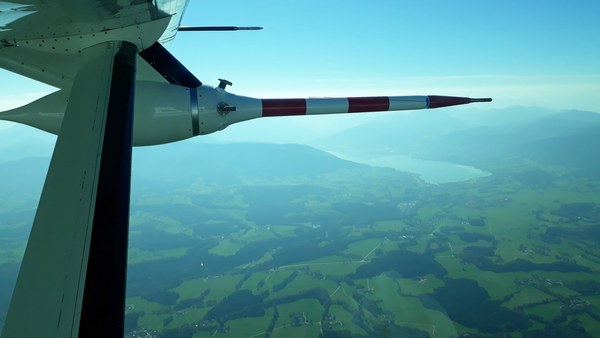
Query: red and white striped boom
x=313, y=106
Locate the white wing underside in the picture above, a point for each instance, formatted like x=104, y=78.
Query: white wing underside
x=50, y=284
x=43, y=40
x=70, y=45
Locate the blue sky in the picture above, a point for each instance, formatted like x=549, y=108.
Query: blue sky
x=532, y=53
x=529, y=53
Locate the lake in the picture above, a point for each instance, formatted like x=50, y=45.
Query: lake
x=433, y=172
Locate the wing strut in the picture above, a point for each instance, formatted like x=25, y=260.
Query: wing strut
x=72, y=278
x=169, y=67
x=103, y=309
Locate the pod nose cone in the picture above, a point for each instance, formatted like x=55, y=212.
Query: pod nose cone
x=436, y=101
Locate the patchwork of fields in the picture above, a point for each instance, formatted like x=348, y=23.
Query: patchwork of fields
x=351, y=251
x=333, y=256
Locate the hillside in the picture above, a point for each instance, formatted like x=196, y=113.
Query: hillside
x=481, y=139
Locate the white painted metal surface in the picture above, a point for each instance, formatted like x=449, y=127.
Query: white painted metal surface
x=48, y=294
x=165, y=112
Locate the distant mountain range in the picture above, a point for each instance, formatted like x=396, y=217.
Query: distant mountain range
x=23, y=168
x=479, y=138
x=227, y=164
x=20, y=141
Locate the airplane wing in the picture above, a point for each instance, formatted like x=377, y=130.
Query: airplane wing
x=76, y=245
x=42, y=39
x=72, y=278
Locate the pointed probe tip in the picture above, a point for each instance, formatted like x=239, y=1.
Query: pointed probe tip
x=485, y=99
x=437, y=101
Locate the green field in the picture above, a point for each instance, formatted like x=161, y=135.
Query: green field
x=505, y=231
x=364, y=252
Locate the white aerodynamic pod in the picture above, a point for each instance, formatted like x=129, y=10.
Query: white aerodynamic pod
x=163, y=112
x=212, y=105
x=166, y=112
